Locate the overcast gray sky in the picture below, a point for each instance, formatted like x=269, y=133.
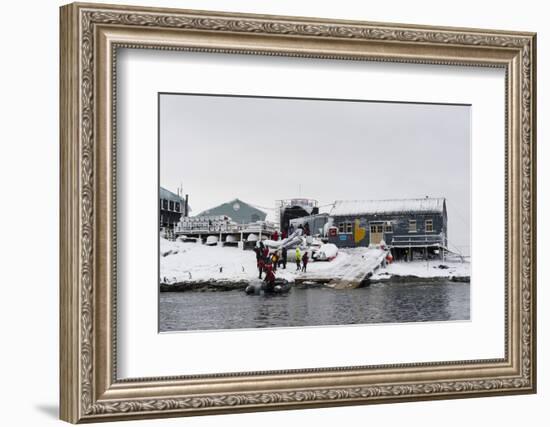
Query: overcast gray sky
x=264, y=149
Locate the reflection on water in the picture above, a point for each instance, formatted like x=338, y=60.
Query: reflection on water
x=378, y=303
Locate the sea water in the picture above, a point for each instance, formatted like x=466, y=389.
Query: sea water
x=377, y=303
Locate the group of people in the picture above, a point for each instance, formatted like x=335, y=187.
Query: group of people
x=268, y=263
x=304, y=227
x=285, y=233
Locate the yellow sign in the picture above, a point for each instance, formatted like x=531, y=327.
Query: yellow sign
x=359, y=232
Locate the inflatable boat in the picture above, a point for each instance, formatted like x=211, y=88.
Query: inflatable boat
x=280, y=286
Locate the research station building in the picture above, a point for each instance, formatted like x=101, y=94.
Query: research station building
x=408, y=226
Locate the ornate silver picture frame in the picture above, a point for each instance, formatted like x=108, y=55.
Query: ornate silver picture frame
x=91, y=37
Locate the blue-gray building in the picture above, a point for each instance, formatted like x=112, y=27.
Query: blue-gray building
x=408, y=226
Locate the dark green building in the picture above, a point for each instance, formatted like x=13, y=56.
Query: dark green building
x=239, y=211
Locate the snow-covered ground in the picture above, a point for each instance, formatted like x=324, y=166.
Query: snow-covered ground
x=191, y=262
x=184, y=262
x=424, y=269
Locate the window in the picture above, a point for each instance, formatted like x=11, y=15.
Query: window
x=376, y=228
x=345, y=227
x=178, y=207
x=412, y=225
x=165, y=204
x=171, y=205
x=429, y=226
x=388, y=228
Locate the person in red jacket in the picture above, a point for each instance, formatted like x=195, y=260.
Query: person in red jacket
x=305, y=259
x=261, y=265
x=269, y=277
x=275, y=235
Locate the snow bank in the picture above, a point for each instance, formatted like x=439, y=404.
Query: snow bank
x=430, y=269
x=184, y=261
x=327, y=251
x=189, y=262
x=193, y=262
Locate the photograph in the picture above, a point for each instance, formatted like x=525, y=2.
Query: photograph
x=346, y=208
x=300, y=212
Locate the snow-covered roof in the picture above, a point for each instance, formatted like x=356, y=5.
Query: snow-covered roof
x=362, y=207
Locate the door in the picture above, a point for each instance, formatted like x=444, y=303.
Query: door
x=376, y=233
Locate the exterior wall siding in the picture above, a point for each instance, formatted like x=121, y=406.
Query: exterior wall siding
x=169, y=218
x=171, y=208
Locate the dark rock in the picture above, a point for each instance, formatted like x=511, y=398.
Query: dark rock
x=203, y=286
x=416, y=279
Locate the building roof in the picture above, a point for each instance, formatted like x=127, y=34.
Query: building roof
x=236, y=209
x=168, y=195
x=366, y=207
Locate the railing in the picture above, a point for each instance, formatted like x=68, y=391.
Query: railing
x=417, y=240
x=296, y=202
x=226, y=228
